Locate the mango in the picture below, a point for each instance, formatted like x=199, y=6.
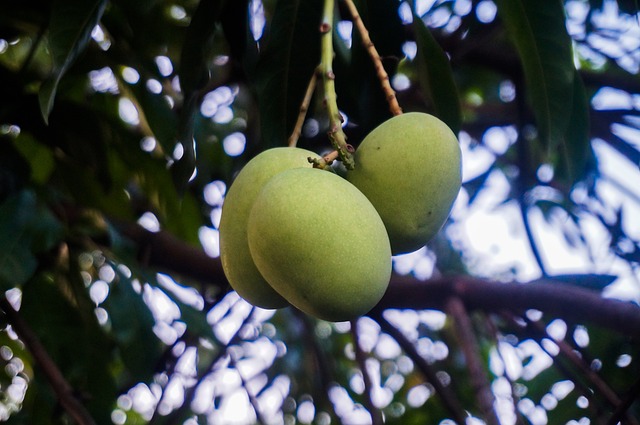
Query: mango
x=409, y=167
x=320, y=244
x=237, y=263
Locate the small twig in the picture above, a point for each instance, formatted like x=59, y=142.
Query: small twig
x=621, y=409
x=469, y=345
x=325, y=369
x=448, y=398
x=304, y=107
x=389, y=93
x=56, y=379
x=597, y=383
x=361, y=358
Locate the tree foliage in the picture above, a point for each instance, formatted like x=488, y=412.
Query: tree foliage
x=122, y=123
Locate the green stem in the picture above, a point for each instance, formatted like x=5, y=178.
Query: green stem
x=336, y=135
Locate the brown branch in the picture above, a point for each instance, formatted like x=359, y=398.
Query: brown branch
x=304, y=107
x=447, y=396
x=597, y=383
x=59, y=384
x=164, y=251
x=361, y=358
x=469, y=345
x=389, y=93
x=621, y=409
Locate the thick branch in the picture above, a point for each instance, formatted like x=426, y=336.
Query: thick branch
x=163, y=251
x=58, y=383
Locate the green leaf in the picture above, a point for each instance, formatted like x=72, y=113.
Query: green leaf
x=289, y=57
x=26, y=228
x=132, y=326
x=539, y=33
x=436, y=77
x=70, y=27
x=576, y=155
x=39, y=157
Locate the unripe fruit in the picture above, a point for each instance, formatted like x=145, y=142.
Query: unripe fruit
x=236, y=259
x=410, y=169
x=320, y=243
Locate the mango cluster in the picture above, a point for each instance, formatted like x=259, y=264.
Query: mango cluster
x=291, y=234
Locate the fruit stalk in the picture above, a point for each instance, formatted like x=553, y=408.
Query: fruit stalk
x=336, y=135
x=389, y=93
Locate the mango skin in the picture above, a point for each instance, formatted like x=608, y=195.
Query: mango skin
x=320, y=243
x=236, y=259
x=410, y=168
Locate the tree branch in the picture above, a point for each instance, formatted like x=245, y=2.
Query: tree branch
x=469, y=344
x=56, y=379
x=166, y=252
x=361, y=358
x=449, y=399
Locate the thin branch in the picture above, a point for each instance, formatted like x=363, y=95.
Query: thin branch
x=324, y=368
x=361, y=358
x=178, y=414
x=621, y=409
x=597, y=384
x=447, y=396
x=59, y=384
x=390, y=94
x=304, y=107
x=469, y=345
x=494, y=331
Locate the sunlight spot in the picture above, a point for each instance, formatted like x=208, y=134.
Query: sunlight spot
x=557, y=329
x=100, y=38
x=345, y=29
x=400, y=82
x=130, y=75
x=609, y=98
x=164, y=65
x=214, y=192
x=545, y=173
x=118, y=417
x=149, y=221
x=103, y=81
x=101, y=315
x=99, y=291
x=462, y=7
x=418, y=395
x=486, y=11
x=178, y=151
x=582, y=402
x=581, y=336
x=154, y=86
x=223, y=115
x=234, y=144
x=210, y=240
x=405, y=13
x=148, y=144
x=507, y=91
x=177, y=12
x=311, y=128
x=257, y=19
x=128, y=111
x=3, y=45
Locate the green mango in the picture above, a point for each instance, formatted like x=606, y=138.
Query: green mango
x=320, y=244
x=409, y=167
x=236, y=259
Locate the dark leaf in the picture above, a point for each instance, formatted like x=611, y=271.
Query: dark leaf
x=132, y=326
x=436, y=77
x=539, y=33
x=288, y=60
x=70, y=29
x=26, y=228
